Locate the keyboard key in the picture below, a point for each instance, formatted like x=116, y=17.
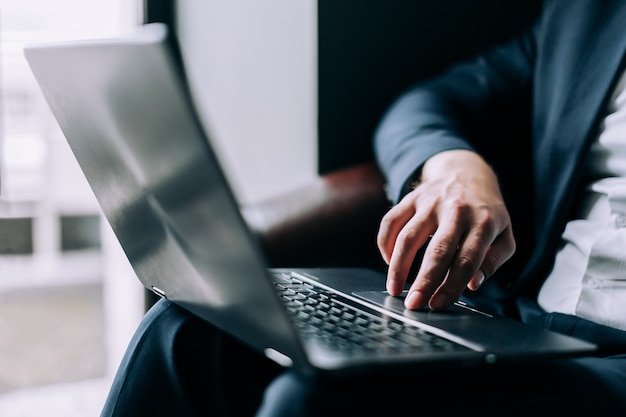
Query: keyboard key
x=320, y=314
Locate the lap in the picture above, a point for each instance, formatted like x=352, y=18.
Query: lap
x=581, y=386
x=177, y=364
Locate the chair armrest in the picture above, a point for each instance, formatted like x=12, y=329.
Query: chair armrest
x=331, y=222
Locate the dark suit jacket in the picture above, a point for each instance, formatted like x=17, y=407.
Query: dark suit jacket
x=541, y=95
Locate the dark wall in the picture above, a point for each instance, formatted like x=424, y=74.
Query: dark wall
x=370, y=50
x=162, y=11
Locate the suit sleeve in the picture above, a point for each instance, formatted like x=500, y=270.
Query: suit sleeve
x=448, y=112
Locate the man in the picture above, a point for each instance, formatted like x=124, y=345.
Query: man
x=436, y=148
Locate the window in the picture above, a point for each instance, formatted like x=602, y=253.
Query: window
x=59, y=344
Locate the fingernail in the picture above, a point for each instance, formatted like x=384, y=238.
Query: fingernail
x=476, y=281
x=391, y=287
x=413, y=300
x=439, y=302
x=481, y=278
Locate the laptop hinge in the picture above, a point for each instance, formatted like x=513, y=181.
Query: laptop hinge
x=158, y=292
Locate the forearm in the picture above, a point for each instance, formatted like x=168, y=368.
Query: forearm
x=453, y=111
x=457, y=213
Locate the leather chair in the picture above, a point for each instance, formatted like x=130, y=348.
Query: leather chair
x=332, y=222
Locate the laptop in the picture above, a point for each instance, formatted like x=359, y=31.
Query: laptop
x=125, y=108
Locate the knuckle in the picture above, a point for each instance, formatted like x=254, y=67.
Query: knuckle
x=458, y=207
x=385, y=229
x=511, y=244
x=381, y=239
x=394, y=272
x=485, y=224
x=387, y=221
x=406, y=237
x=440, y=249
x=467, y=263
x=425, y=284
x=490, y=266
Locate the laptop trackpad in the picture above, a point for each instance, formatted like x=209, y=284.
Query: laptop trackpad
x=396, y=304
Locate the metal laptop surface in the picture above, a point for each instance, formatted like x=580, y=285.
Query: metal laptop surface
x=129, y=118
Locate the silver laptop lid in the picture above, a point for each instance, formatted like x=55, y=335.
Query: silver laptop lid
x=131, y=123
x=128, y=117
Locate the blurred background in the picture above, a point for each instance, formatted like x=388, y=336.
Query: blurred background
x=69, y=300
x=64, y=322
x=285, y=86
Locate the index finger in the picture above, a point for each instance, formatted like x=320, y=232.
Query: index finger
x=408, y=242
x=391, y=225
x=436, y=263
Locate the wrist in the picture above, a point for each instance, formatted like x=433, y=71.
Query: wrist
x=452, y=162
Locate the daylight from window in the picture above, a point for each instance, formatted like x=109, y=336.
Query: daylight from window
x=56, y=319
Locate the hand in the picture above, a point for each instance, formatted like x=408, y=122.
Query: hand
x=459, y=207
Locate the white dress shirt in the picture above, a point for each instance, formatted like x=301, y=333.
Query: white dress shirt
x=589, y=274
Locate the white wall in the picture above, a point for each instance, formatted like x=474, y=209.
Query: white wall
x=252, y=65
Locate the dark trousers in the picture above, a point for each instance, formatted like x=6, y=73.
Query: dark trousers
x=177, y=365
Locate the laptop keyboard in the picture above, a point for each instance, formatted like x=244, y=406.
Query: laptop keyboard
x=324, y=316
